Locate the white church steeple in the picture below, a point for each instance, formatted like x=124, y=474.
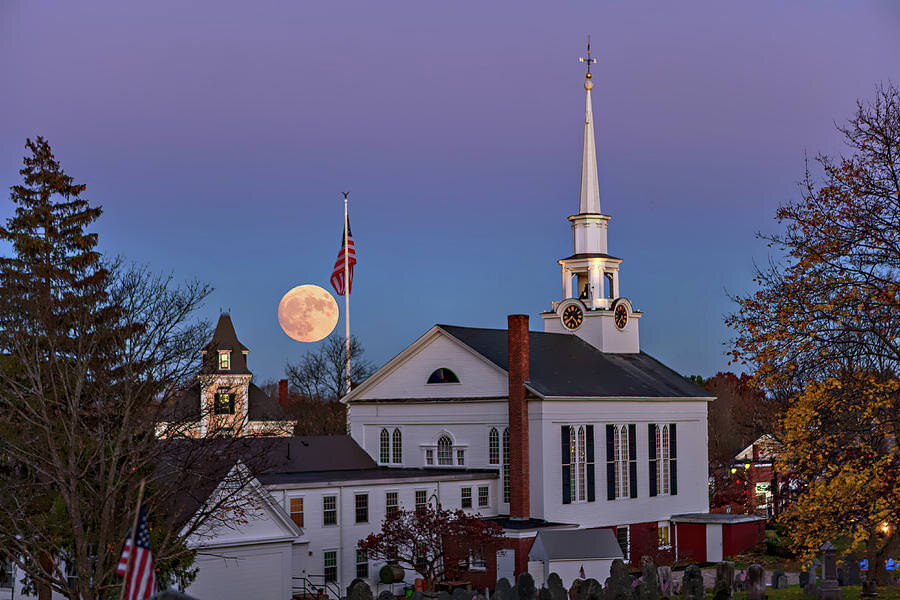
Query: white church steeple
x=592, y=306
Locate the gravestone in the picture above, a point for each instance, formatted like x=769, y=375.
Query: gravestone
x=503, y=591
x=442, y=595
x=664, y=577
x=418, y=595
x=779, y=580
x=386, y=595
x=804, y=578
x=851, y=571
x=648, y=589
x=829, y=590
x=869, y=588
x=544, y=594
x=692, y=584
x=554, y=584
x=458, y=594
x=359, y=590
x=578, y=590
x=724, y=581
x=740, y=581
x=756, y=583
x=619, y=586
x=525, y=589
x=595, y=590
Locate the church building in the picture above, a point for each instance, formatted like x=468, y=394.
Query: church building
x=585, y=430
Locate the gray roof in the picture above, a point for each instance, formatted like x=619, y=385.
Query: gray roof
x=574, y=544
x=374, y=474
x=562, y=364
x=715, y=518
x=225, y=338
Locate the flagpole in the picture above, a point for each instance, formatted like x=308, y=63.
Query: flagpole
x=134, y=523
x=347, y=289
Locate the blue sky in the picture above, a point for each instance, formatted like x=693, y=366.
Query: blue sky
x=219, y=135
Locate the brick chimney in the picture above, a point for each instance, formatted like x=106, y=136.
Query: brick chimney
x=517, y=332
x=283, y=393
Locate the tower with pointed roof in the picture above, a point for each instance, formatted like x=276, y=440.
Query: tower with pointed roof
x=224, y=400
x=592, y=306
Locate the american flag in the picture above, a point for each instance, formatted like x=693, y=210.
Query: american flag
x=141, y=582
x=337, y=274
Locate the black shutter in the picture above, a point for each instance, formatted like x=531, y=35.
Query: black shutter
x=565, y=432
x=673, y=464
x=651, y=433
x=610, y=465
x=589, y=450
x=632, y=460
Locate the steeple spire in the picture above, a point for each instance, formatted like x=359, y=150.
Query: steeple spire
x=589, y=197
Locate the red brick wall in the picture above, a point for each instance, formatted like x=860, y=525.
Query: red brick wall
x=738, y=537
x=488, y=577
x=691, y=538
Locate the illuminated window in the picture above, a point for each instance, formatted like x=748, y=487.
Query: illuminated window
x=483, y=497
x=329, y=510
x=494, y=446
x=297, y=511
x=443, y=375
x=224, y=403
x=391, y=504
x=445, y=451
x=224, y=360
x=662, y=459
x=384, y=454
x=397, y=447
x=465, y=499
x=622, y=538
x=663, y=534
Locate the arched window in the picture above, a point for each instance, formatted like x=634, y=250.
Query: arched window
x=581, y=456
x=384, y=454
x=506, y=464
x=443, y=375
x=622, y=462
x=445, y=450
x=662, y=459
x=397, y=446
x=494, y=447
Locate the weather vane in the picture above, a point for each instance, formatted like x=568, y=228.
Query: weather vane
x=587, y=59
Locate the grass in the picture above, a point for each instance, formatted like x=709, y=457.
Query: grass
x=850, y=592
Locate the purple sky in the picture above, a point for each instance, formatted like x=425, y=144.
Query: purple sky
x=219, y=135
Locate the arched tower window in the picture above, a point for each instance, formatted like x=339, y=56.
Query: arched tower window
x=443, y=375
x=397, y=446
x=445, y=450
x=493, y=447
x=384, y=454
x=662, y=457
x=622, y=462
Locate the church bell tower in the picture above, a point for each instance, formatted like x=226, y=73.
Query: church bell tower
x=592, y=306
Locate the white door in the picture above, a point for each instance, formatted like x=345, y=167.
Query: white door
x=506, y=565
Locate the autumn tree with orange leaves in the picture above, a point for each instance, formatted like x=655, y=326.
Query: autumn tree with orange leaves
x=822, y=333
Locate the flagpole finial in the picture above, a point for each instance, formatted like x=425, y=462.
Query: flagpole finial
x=588, y=60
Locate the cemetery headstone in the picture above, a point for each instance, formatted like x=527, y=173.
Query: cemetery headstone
x=724, y=581
x=648, y=589
x=829, y=589
x=804, y=578
x=851, y=571
x=503, y=591
x=578, y=590
x=544, y=594
x=359, y=590
x=595, y=590
x=386, y=595
x=740, y=581
x=779, y=580
x=554, y=584
x=619, y=586
x=869, y=588
x=459, y=594
x=692, y=584
x=525, y=587
x=664, y=577
x=756, y=583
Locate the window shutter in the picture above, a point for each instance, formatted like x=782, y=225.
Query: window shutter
x=651, y=433
x=610, y=465
x=565, y=432
x=632, y=460
x=673, y=464
x=589, y=451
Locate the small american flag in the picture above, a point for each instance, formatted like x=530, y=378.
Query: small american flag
x=141, y=582
x=581, y=570
x=337, y=274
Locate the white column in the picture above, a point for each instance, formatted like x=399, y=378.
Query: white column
x=567, y=283
x=596, y=283
x=615, y=291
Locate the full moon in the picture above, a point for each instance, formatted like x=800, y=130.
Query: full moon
x=307, y=313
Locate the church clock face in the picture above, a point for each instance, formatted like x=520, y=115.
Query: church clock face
x=621, y=316
x=572, y=316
